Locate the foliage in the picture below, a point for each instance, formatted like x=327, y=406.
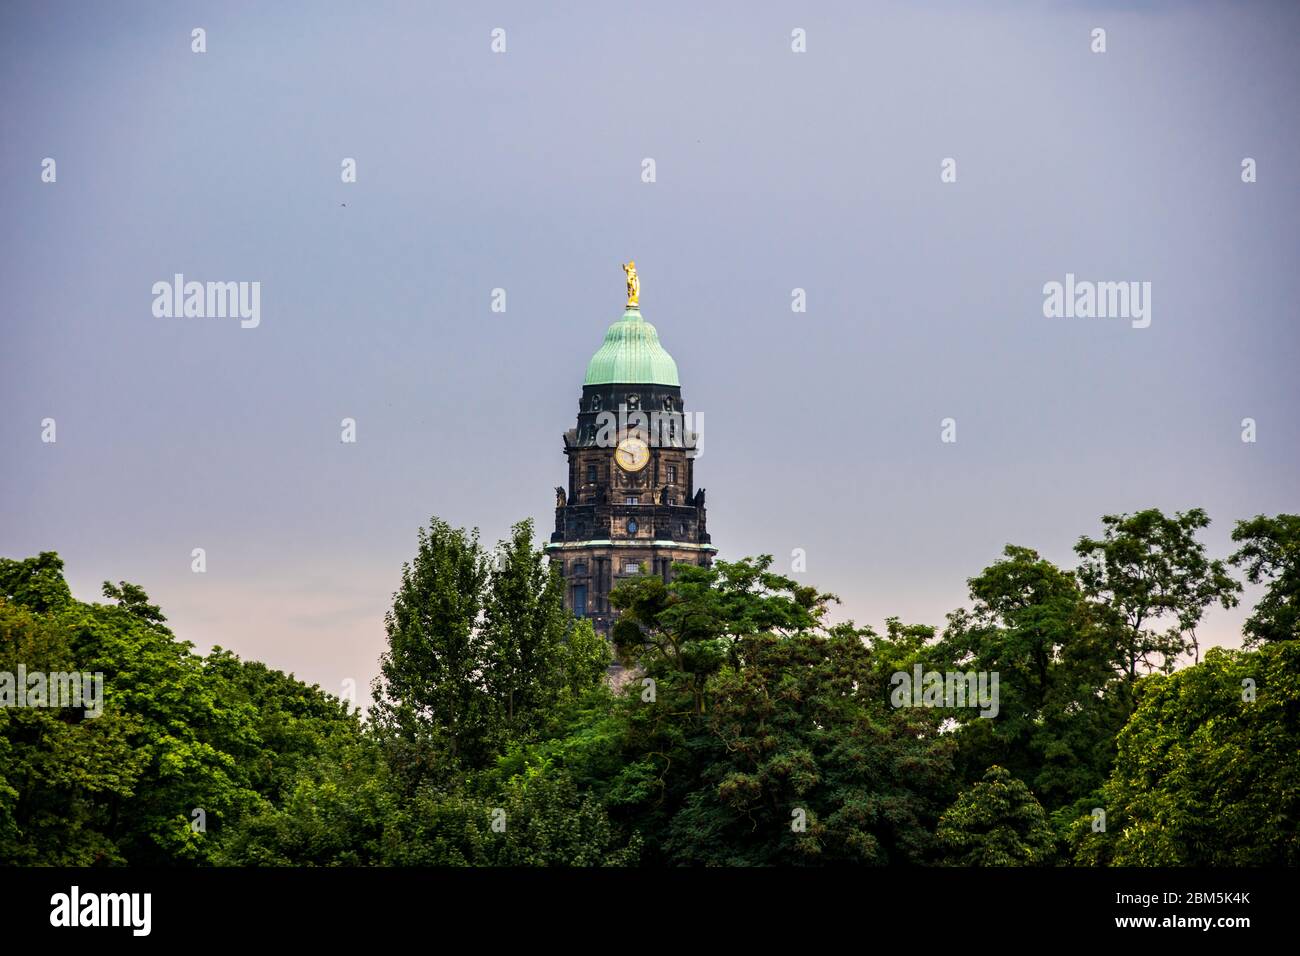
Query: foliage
x=1148, y=569
x=752, y=731
x=178, y=733
x=1205, y=775
x=804, y=762
x=997, y=822
x=430, y=687
x=61, y=775
x=689, y=628
x=36, y=583
x=1270, y=551
x=523, y=635
x=1058, y=713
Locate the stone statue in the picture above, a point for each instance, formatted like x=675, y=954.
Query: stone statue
x=633, y=285
x=561, y=499
x=663, y=495
x=699, y=498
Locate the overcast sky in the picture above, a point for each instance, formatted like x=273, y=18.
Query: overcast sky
x=775, y=170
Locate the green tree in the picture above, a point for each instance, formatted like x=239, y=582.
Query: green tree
x=342, y=810
x=1206, y=773
x=691, y=626
x=997, y=822
x=803, y=761
x=1270, y=551
x=60, y=770
x=762, y=737
x=546, y=821
x=1056, y=721
x=903, y=646
x=1149, y=570
x=36, y=583
x=584, y=660
x=131, y=598
x=348, y=813
x=296, y=726
x=192, y=733
x=123, y=786
x=430, y=694
x=523, y=634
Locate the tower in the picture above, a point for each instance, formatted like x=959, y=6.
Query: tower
x=630, y=505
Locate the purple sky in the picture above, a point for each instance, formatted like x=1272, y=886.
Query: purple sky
x=522, y=170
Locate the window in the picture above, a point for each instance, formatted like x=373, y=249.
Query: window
x=631, y=567
x=579, y=569
x=672, y=474
x=631, y=526
x=631, y=500
x=580, y=600
x=591, y=472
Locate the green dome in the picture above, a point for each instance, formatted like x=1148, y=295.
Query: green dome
x=631, y=355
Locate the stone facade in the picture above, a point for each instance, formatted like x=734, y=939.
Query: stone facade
x=613, y=523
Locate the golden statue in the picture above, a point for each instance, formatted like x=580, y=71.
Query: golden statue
x=633, y=285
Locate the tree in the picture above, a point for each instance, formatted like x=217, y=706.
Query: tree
x=60, y=771
x=194, y=735
x=478, y=653
x=123, y=786
x=763, y=737
x=585, y=659
x=348, y=812
x=802, y=761
x=693, y=624
x=660, y=633
x=131, y=598
x=1146, y=570
x=1270, y=551
x=280, y=773
x=523, y=634
x=543, y=820
x=297, y=726
x=341, y=810
x=36, y=583
x=430, y=693
x=1206, y=772
x=760, y=734
x=1031, y=625
x=997, y=822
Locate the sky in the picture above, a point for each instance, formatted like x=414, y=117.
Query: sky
x=522, y=170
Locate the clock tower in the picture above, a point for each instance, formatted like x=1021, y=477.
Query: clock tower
x=630, y=506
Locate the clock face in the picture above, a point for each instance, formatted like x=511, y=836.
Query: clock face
x=632, y=454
